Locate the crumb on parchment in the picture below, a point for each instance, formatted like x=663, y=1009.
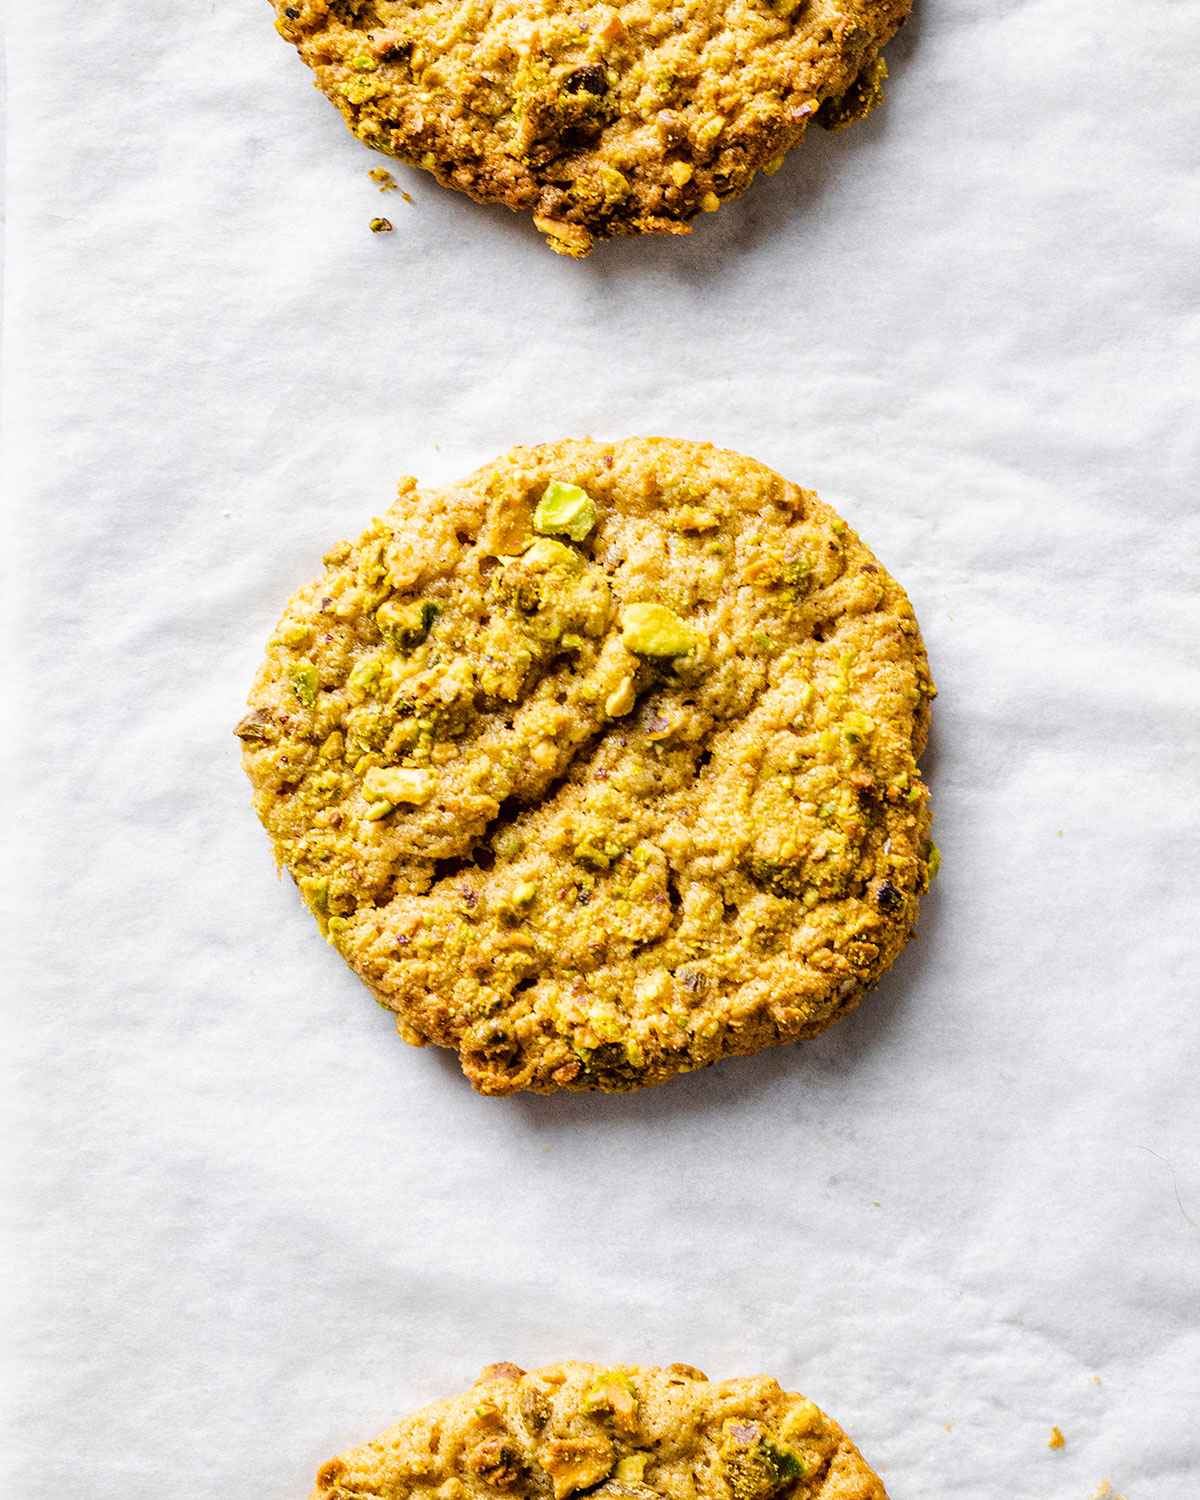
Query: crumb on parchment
x=383, y=179
x=1056, y=1439
x=382, y=226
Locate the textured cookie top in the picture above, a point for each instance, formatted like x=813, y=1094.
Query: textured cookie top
x=597, y=119
x=618, y=1433
x=601, y=765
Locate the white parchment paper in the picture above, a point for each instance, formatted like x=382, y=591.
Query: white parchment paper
x=248, y=1226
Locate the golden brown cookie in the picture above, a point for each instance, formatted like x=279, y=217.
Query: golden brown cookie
x=602, y=764
x=602, y=119
x=618, y=1433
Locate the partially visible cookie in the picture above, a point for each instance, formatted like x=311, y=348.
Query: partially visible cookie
x=596, y=119
x=619, y=1433
x=602, y=764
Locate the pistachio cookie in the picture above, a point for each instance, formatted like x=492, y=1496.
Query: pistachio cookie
x=602, y=764
x=603, y=119
x=618, y=1434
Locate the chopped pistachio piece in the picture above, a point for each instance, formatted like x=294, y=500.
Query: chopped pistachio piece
x=857, y=725
x=315, y=890
x=363, y=677
x=781, y=1463
x=621, y=699
x=358, y=90
x=804, y=698
x=654, y=630
x=295, y=632
x=523, y=892
x=612, y=1390
x=801, y=1421
x=575, y=1463
x=397, y=784
x=508, y=843
x=693, y=518
x=546, y=554
x=304, y=682
x=632, y=1468
x=598, y=851
x=565, y=508
x=614, y=183
x=406, y=625
x=756, y=1466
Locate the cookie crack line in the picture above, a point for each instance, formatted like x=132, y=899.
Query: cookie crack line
x=601, y=765
x=514, y=813
x=582, y=756
x=626, y=119
x=622, y=1432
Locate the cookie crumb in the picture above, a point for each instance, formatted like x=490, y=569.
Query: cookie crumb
x=383, y=179
x=406, y=196
x=382, y=226
x=1056, y=1439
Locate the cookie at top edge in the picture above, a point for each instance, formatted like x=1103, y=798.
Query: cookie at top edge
x=601, y=765
x=619, y=119
x=614, y=1432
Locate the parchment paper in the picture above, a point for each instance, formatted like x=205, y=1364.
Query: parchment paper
x=248, y=1226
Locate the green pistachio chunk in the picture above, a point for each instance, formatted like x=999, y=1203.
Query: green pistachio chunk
x=546, y=555
x=611, y=1391
x=782, y=1464
x=295, y=632
x=397, y=784
x=565, y=509
x=315, y=890
x=304, y=682
x=406, y=625
x=655, y=630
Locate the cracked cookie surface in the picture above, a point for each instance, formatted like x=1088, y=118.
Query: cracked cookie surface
x=601, y=765
x=596, y=119
x=619, y=1433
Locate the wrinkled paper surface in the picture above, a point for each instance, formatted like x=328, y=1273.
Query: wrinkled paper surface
x=248, y=1225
